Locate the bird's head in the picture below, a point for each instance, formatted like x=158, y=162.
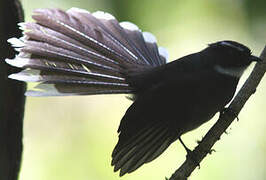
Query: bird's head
x=231, y=58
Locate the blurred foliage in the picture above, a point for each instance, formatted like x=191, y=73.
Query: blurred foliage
x=256, y=17
x=72, y=137
x=255, y=9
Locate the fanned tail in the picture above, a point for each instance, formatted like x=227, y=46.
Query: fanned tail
x=76, y=52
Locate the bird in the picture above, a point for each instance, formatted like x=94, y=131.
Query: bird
x=76, y=52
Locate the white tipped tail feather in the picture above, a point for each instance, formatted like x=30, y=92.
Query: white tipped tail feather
x=129, y=26
x=16, y=42
x=149, y=37
x=18, y=62
x=76, y=52
x=103, y=15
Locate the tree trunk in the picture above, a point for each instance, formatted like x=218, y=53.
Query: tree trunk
x=12, y=97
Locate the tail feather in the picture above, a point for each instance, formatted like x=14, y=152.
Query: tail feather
x=101, y=21
x=60, y=67
x=78, y=53
x=70, y=90
x=51, y=78
x=45, y=50
x=44, y=34
x=89, y=35
x=123, y=34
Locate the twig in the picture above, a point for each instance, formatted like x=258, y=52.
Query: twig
x=224, y=121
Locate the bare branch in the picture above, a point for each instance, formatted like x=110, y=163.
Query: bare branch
x=224, y=121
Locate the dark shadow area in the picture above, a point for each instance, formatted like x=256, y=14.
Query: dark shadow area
x=12, y=97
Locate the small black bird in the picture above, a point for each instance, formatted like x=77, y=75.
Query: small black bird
x=81, y=53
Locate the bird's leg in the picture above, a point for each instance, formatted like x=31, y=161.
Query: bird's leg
x=186, y=148
x=230, y=111
x=190, y=153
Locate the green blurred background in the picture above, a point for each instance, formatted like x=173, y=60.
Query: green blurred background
x=68, y=138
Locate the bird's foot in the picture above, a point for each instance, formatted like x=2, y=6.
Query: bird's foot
x=193, y=157
x=190, y=154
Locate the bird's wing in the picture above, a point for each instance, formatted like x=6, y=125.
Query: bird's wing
x=140, y=146
x=144, y=134
x=76, y=52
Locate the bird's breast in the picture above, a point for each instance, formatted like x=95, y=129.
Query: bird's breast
x=208, y=98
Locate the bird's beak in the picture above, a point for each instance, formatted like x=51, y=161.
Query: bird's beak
x=255, y=58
